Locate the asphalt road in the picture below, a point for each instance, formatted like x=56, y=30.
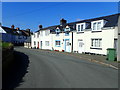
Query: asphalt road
x=56, y=70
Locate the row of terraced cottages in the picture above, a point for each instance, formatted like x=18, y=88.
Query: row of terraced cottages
x=86, y=36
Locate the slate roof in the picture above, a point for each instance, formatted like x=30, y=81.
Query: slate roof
x=112, y=20
x=14, y=31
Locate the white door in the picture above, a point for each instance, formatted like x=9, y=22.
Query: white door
x=80, y=46
x=67, y=46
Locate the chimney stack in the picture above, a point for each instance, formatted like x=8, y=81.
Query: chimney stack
x=40, y=27
x=12, y=27
x=18, y=28
x=28, y=30
x=0, y=24
x=63, y=22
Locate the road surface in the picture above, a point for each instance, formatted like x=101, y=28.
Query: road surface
x=56, y=70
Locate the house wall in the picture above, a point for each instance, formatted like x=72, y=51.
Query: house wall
x=61, y=37
x=34, y=38
x=45, y=38
x=107, y=37
x=6, y=37
x=20, y=38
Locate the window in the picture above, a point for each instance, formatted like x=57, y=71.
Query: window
x=66, y=33
x=38, y=35
x=41, y=33
x=57, y=32
x=81, y=27
x=78, y=27
x=67, y=29
x=96, y=43
x=94, y=26
x=19, y=37
x=34, y=35
x=97, y=26
x=46, y=32
x=46, y=43
x=34, y=43
x=57, y=43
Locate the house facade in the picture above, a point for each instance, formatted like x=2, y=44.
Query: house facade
x=15, y=36
x=96, y=35
x=93, y=36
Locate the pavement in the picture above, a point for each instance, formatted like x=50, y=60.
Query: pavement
x=45, y=69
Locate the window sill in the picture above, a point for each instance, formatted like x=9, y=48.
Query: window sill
x=96, y=48
x=57, y=46
x=96, y=31
x=80, y=32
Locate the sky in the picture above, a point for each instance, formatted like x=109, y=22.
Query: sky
x=31, y=14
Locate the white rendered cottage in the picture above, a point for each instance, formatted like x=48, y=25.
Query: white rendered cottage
x=96, y=35
x=92, y=36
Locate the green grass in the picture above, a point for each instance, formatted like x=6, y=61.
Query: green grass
x=5, y=44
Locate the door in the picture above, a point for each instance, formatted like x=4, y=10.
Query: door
x=80, y=46
x=67, y=46
x=41, y=44
x=38, y=45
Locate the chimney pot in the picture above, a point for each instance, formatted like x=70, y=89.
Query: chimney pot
x=40, y=27
x=12, y=27
x=18, y=28
x=63, y=21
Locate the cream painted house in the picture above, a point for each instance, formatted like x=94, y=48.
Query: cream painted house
x=93, y=36
x=96, y=35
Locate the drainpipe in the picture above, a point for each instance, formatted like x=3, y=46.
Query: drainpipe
x=72, y=41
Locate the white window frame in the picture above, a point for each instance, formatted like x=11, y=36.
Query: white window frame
x=34, y=43
x=96, y=43
x=47, y=43
x=78, y=26
x=57, y=43
x=96, y=26
x=47, y=32
x=37, y=34
x=41, y=33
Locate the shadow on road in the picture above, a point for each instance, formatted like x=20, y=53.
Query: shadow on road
x=15, y=74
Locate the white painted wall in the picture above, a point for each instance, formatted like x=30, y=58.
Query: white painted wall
x=107, y=37
x=62, y=38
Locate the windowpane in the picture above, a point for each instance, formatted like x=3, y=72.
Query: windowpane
x=81, y=27
x=34, y=43
x=96, y=42
x=99, y=26
x=41, y=33
x=57, y=42
x=94, y=26
x=47, y=43
x=78, y=27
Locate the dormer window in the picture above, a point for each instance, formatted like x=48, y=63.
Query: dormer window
x=57, y=31
x=81, y=27
x=67, y=29
x=97, y=25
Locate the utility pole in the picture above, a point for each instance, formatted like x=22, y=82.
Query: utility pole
x=118, y=52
